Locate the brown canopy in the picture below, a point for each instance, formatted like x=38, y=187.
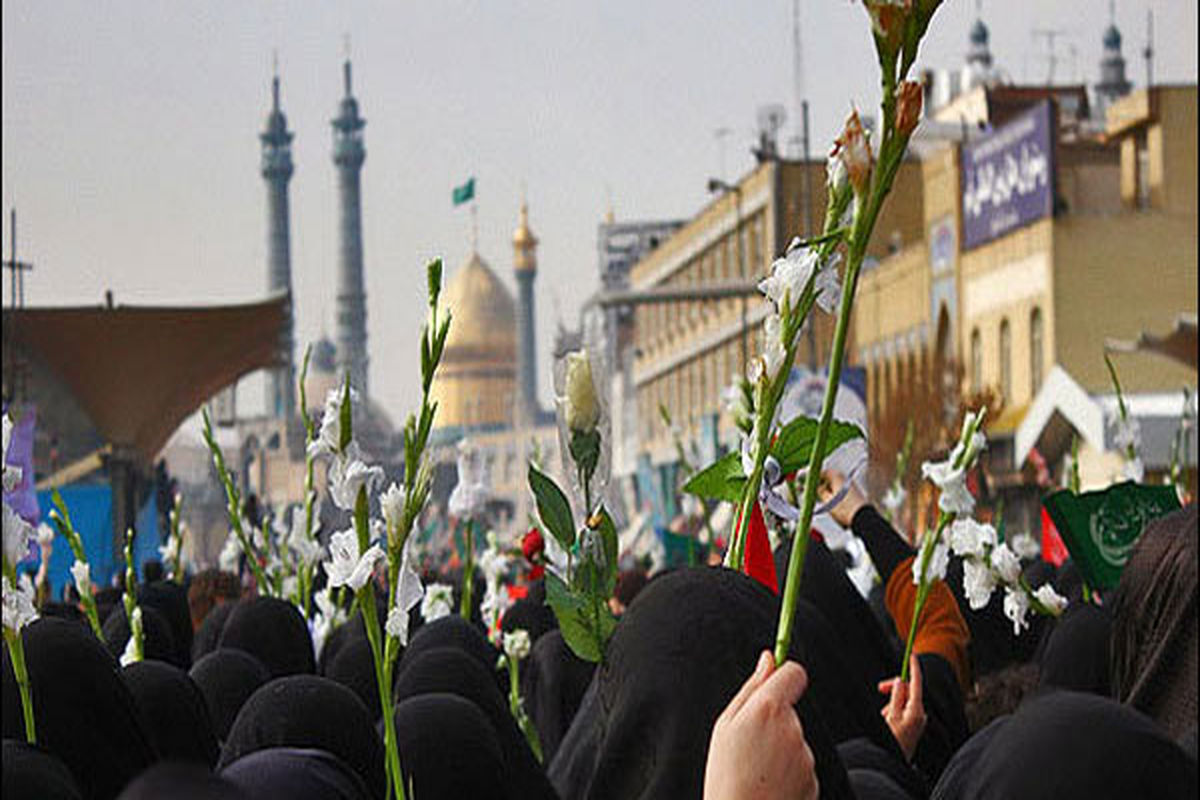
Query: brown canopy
x=1180, y=344
x=139, y=372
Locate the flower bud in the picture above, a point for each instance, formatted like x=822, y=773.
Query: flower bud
x=853, y=149
x=888, y=18
x=908, y=107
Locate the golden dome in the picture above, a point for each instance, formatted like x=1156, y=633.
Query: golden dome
x=524, y=242
x=476, y=381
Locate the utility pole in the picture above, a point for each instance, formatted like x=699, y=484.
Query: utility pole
x=1148, y=50
x=1050, y=35
x=17, y=270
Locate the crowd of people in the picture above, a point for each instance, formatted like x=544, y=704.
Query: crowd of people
x=234, y=699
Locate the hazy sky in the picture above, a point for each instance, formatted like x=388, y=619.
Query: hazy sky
x=130, y=132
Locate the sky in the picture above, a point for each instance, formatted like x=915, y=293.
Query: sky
x=130, y=133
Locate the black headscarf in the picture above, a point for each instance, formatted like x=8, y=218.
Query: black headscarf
x=272, y=631
x=1075, y=654
x=675, y=661
x=173, y=711
x=285, y=773
x=1066, y=745
x=31, y=773
x=84, y=713
x=181, y=780
x=448, y=749
x=226, y=678
x=1156, y=636
x=208, y=635
x=453, y=631
x=450, y=670
x=170, y=599
x=553, y=682
x=308, y=711
x=877, y=774
x=354, y=668
x=157, y=641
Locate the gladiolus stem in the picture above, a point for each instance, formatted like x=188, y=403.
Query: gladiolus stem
x=16, y=650
x=468, y=578
x=927, y=546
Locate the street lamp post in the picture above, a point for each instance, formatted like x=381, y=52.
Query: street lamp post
x=716, y=185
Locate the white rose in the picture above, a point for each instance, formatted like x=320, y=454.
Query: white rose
x=581, y=408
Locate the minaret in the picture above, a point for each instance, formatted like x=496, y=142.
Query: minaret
x=348, y=156
x=277, y=171
x=1113, y=83
x=525, y=269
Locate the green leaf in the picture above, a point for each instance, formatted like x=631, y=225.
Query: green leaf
x=571, y=611
x=608, y=537
x=721, y=480
x=552, y=507
x=793, y=447
x=347, y=418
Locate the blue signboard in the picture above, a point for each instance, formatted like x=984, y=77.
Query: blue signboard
x=1008, y=177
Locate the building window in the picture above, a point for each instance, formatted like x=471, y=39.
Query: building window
x=976, y=361
x=1035, y=351
x=1006, y=361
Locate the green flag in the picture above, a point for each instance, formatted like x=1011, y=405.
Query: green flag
x=464, y=193
x=1101, y=528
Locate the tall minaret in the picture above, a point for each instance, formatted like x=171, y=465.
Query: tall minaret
x=277, y=171
x=525, y=268
x=348, y=156
x=1113, y=83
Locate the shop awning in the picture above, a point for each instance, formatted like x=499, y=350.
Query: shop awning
x=138, y=372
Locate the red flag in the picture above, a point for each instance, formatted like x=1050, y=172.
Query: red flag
x=760, y=563
x=1053, y=549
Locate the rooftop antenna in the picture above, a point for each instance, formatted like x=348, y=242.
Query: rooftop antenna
x=1050, y=35
x=1148, y=50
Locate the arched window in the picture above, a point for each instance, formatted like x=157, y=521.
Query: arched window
x=1036, y=365
x=976, y=361
x=1006, y=360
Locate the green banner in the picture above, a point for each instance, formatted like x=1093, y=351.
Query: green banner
x=465, y=193
x=1101, y=528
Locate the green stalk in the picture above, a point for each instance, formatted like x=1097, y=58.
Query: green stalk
x=16, y=650
x=468, y=579
x=518, y=711
x=304, y=574
x=233, y=504
x=130, y=598
x=176, y=517
x=864, y=223
x=62, y=520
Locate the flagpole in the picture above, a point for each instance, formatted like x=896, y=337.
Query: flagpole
x=474, y=227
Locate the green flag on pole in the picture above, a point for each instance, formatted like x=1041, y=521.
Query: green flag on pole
x=465, y=193
x=1101, y=528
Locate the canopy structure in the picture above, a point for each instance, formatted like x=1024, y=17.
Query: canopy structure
x=1181, y=344
x=138, y=372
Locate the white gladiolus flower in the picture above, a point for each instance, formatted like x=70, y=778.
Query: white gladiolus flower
x=231, y=553
x=978, y=583
x=971, y=538
x=894, y=498
x=17, y=535
x=82, y=574
x=774, y=351
x=517, y=644
x=789, y=275
x=169, y=549
x=470, y=497
x=308, y=551
x=1134, y=470
x=1054, y=602
x=129, y=656
x=348, y=474
x=829, y=286
x=1026, y=546
x=391, y=503
x=734, y=401
x=835, y=173
x=18, y=604
x=581, y=407
x=1005, y=563
x=290, y=585
x=345, y=566
x=1126, y=433
x=955, y=497
x=329, y=437
x=409, y=592
x=45, y=534
x=749, y=450
x=1016, y=608
x=438, y=601
x=936, y=568
x=11, y=474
